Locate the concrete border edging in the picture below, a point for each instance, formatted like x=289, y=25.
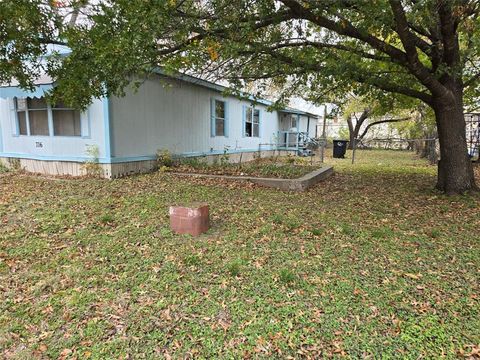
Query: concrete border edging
x=299, y=184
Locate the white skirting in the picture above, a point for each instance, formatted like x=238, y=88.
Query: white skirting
x=113, y=170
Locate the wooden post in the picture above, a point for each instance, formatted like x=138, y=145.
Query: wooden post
x=354, y=146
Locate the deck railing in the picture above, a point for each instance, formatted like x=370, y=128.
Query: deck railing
x=292, y=140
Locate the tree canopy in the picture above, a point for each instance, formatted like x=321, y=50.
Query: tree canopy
x=424, y=50
x=315, y=48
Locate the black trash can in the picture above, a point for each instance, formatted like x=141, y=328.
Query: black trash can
x=339, y=148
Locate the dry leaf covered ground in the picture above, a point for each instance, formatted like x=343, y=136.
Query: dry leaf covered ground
x=370, y=262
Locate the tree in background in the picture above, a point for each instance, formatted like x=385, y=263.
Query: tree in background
x=425, y=50
x=422, y=129
x=361, y=116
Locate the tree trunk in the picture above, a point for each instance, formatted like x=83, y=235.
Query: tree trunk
x=351, y=133
x=455, y=171
x=355, y=130
x=353, y=136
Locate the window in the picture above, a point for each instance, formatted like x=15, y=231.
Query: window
x=21, y=109
x=219, y=118
x=252, y=122
x=294, y=119
x=33, y=116
x=37, y=116
x=66, y=121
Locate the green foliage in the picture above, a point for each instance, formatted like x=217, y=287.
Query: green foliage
x=421, y=126
x=225, y=158
x=164, y=159
x=288, y=167
x=92, y=166
x=290, y=159
x=3, y=168
x=286, y=276
x=278, y=273
x=343, y=133
x=424, y=334
x=106, y=218
x=26, y=27
x=192, y=260
x=234, y=267
x=367, y=60
x=194, y=162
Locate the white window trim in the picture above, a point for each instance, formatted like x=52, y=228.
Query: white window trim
x=215, y=117
x=49, y=110
x=252, y=116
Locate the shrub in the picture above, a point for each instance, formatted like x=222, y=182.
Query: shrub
x=92, y=165
x=164, y=158
x=225, y=158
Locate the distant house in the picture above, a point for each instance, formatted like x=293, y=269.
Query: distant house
x=183, y=114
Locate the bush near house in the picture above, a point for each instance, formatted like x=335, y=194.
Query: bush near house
x=369, y=263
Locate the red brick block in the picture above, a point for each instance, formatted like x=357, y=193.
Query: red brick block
x=193, y=219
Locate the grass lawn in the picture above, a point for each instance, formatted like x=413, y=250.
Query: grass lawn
x=371, y=262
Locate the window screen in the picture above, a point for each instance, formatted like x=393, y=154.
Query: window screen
x=294, y=121
x=21, y=108
x=33, y=118
x=219, y=118
x=256, y=123
x=66, y=122
x=37, y=116
x=252, y=122
x=38, y=121
x=22, y=123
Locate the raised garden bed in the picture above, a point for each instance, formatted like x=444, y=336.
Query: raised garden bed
x=282, y=174
x=280, y=167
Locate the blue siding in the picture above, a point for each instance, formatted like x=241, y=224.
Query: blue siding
x=14, y=91
x=260, y=115
x=106, y=123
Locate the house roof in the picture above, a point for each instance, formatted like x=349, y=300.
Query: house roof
x=45, y=83
x=290, y=110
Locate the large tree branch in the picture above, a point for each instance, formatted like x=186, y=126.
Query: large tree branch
x=395, y=88
x=448, y=26
x=407, y=59
x=358, y=76
x=381, y=122
x=347, y=29
x=423, y=32
x=320, y=45
x=46, y=41
x=202, y=33
x=409, y=43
